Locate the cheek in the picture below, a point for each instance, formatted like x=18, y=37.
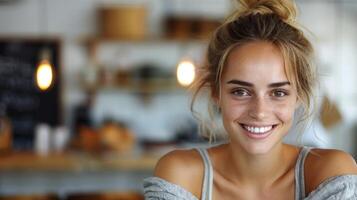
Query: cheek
x=230, y=115
x=232, y=110
x=285, y=112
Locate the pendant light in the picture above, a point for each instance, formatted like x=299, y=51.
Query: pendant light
x=185, y=72
x=44, y=70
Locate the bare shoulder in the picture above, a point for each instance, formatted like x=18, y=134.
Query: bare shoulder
x=182, y=167
x=322, y=164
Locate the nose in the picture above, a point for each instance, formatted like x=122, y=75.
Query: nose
x=259, y=108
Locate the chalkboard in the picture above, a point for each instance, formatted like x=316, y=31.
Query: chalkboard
x=26, y=105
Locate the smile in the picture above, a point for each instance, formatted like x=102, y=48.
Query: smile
x=258, y=132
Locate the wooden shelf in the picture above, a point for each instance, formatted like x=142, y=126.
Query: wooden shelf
x=157, y=85
x=29, y=161
x=98, y=40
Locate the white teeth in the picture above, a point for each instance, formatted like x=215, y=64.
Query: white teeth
x=258, y=130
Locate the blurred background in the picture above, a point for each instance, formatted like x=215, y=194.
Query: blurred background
x=93, y=92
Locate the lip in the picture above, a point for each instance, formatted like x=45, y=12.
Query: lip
x=258, y=136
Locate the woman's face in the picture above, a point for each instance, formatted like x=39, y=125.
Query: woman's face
x=257, y=101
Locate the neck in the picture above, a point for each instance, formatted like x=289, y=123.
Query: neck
x=261, y=170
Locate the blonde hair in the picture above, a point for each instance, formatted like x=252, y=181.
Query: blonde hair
x=272, y=21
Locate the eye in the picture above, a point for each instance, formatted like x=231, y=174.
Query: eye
x=240, y=92
x=280, y=93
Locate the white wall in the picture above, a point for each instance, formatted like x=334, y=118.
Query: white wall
x=333, y=24
x=334, y=29
x=75, y=20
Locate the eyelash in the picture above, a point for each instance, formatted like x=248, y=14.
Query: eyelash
x=242, y=92
x=239, y=91
x=284, y=92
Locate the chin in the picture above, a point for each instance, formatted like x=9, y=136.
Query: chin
x=260, y=146
x=256, y=149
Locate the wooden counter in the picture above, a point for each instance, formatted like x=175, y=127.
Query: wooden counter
x=73, y=172
x=28, y=161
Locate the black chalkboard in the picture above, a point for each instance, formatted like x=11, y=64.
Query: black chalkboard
x=26, y=105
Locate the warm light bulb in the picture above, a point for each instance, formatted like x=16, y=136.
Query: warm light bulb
x=185, y=73
x=44, y=75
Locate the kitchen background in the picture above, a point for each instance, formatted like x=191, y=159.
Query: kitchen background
x=115, y=103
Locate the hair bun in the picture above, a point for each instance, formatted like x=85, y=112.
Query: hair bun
x=285, y=9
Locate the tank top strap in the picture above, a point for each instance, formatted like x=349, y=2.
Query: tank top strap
x=299, y=173
x=208, y=175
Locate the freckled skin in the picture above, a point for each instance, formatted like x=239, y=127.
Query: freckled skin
x=254, y=91
x=260, y=64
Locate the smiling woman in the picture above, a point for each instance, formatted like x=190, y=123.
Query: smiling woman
x=256, y=98
x=258, y=73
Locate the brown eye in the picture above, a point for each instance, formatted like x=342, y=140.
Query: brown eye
x=240, y=92
x=279, y=93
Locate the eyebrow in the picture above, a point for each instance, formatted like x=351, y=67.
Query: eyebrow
x=271, y=85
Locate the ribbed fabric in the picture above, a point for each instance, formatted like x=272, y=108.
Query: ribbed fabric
x=343, y=187
x=299, y=173
x=208, y=176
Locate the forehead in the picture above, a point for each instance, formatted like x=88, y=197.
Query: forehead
x=255, y=61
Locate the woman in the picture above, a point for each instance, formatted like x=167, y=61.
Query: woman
x=258, y=73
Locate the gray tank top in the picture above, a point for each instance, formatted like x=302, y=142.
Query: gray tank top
x=208, y=174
